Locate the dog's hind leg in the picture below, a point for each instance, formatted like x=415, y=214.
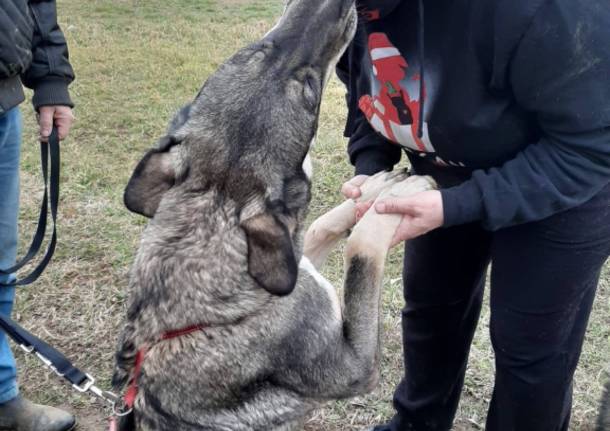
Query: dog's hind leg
x=327, y=230
x=125, y=357
x=271, y=408
x=603, y=421
x=290, y=426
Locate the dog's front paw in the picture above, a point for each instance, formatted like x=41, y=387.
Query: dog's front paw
x=379, y=182
x=410, y=186
x=372, y=235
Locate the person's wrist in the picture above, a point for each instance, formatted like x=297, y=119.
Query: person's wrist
x=52, y=92
x=437, y=212
x=461, y=204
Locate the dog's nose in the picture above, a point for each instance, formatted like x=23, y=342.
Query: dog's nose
x=346, y=5
x=314, y=31
x=322, y=9
x=339, y=7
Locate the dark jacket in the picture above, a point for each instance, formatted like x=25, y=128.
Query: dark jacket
x=33, y=51
x=517, y=101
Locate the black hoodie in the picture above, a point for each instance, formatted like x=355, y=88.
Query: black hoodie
x=516, y=101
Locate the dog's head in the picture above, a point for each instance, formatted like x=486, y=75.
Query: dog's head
x=247, y=135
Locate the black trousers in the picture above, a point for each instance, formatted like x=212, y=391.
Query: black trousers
x=543, y=280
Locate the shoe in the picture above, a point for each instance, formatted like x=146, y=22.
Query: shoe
x=20, y=414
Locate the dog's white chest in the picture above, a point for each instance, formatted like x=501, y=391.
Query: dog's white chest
x=306, y=265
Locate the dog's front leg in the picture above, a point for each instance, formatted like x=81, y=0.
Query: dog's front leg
x=326, y=231
x=365, y=256
x=348, y=363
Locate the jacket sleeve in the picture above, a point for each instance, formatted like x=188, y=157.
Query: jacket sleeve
x=50, y=72
x=368, y=151
x=560, y=72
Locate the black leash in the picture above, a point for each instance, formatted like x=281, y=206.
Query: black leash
x=59, y=364
x=51, y=188
x=53, y=359
x=50, y=357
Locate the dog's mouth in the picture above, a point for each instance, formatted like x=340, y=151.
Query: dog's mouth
x=351, y=23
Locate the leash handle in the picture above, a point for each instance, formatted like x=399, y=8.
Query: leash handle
x=58, y=363
x=47, y=354
x=51, y=193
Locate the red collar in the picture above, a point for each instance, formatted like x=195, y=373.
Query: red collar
x=180, y=332
x=132, y=391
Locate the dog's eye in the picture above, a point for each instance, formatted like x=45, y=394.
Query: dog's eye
x=256, y=57
x=311, y=89
x=310, y=83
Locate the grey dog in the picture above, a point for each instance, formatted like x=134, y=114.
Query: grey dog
x=258, y=336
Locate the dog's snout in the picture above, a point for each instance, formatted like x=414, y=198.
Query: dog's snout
x=346, y=7
x=315, y=30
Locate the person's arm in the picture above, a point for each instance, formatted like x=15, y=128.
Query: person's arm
x=50, y=72
x=560, y=73
x=368, y=151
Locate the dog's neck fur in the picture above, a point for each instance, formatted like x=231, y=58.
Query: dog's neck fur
x=178, y=283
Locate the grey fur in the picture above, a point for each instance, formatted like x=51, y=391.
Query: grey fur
x=228, y=196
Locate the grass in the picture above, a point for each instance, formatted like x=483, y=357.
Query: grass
x=137, y=61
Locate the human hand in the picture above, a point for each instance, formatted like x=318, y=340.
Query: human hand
x=422, y=212
x=60, y=116
x=351, y=190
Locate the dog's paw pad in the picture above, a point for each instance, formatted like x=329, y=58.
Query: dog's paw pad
x=374, y=185
x=410, y=186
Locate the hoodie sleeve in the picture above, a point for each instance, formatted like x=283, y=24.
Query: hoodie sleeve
x=560, y=72
x=50, y=72
x=368, y=151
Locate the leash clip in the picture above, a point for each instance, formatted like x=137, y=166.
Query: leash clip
x=116, y=403
x=119, y=409
x=27, y=349
x=86, y=385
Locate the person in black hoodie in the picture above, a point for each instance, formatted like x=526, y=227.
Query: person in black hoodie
x=507, y=106
x=33, y=51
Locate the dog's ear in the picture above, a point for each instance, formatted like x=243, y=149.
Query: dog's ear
x=271, y=260
x=153, y=176
x=180, y=119
x=156, y=172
